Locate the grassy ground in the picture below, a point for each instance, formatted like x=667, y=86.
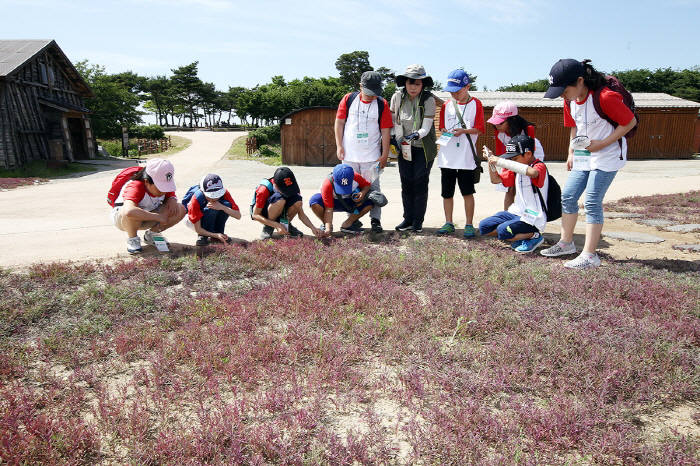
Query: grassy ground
x=430, y=350
x=271, y=154
x=36, y=172
x=114, y=147
x=682, y=208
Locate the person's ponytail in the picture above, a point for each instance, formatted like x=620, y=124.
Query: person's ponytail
x=592, y=78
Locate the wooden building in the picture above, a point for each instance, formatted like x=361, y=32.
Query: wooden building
x=666, y=130
x=308, y=138
x=42, y=105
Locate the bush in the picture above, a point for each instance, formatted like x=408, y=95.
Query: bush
x=147, y=132
x=266, y=135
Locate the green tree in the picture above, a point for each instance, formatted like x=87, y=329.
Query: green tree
x=541, y=85
x=351, y=66
x=114, y=105
x=187, y=87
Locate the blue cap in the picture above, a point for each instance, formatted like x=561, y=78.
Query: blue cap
x=343, y=176
x=456, y=80
x=564, y=73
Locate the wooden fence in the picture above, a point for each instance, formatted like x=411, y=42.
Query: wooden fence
x=153, y=146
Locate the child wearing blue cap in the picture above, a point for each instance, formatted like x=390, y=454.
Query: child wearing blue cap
x=461, y=122
x=209, y=205
x=342, y=191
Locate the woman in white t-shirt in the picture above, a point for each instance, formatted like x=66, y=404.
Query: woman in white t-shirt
x=597, y=151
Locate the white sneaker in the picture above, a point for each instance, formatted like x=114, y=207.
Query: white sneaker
x=148, y=238
x=559, y=249
x=133, y=245
x=583, y=262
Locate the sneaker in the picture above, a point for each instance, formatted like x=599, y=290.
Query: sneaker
x=529, y=245
x=133, y=245
x=515, y=244
x=559, y=249
x=202, y=241
x=469, y=231
x=583, y=262
x=352, y=229
x=447, y=229
x=357, y=224
x=404, y=226
x=294, y=231
x=148, y=238
x=376, y=226
x=417, y=227
x=267, y=232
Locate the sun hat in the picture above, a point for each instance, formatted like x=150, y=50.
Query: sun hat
x=456, y=80
x=343, y=176
x=519, y=145
x=162, y=173
x=285, y=181
x=371, y=83
x=414, y=72
x=212, y=186
x=564, y=73
x=502, y=112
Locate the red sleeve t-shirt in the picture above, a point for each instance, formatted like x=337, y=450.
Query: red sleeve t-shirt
x=261, y=195
x=508, y=177
x=135, y=190
x=478, y=118
x=384, y=122
x=327, y=189
x=194, y=210
x=611, y=103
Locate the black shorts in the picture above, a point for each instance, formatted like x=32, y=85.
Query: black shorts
x=449, y=176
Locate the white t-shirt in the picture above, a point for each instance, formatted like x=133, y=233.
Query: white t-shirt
x=362, y=139
x=589, y=123
x=457, y=154
x=527, y=203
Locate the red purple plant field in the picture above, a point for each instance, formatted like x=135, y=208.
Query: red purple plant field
x=683, y=207
x=413, y=350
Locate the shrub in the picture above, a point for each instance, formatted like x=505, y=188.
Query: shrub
x=147, y=132
x=266, y=135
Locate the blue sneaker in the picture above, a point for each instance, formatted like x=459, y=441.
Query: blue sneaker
x=515, y=244
x=529, y=245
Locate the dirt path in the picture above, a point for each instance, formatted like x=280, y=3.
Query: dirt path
x=68, y=219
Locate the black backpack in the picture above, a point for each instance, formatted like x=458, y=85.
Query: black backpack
x=552, y=208
x=381, y=103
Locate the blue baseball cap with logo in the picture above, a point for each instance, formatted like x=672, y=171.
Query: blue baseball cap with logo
x=456, y=80
x=343, y=176
x=564, y=73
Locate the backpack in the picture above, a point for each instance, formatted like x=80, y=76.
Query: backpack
x=196, y=192
x=552, y=208
x=381, y=103
x=614, y=84
x=264, y=182
x=118, y=183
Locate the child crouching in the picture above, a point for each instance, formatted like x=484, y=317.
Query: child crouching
x=524, y=221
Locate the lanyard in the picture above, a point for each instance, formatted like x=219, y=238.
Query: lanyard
x=460, y=117
x=359, y=102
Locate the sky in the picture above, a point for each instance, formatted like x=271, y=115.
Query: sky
x=246, y=43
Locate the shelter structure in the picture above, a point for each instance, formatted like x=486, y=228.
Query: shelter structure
x=42, y=105
x=666, y=130
x=308, y=138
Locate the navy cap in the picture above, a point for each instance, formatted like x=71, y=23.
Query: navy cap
x=286, y=182
x=519, y=145
x=212, y=186
x=564, y=73
x=343, y=176
x=456, y=80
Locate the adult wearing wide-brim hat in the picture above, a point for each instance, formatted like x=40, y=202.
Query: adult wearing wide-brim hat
x=413, y=110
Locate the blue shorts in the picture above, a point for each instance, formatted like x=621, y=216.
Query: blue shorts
x=508, y=225
x=338, y=206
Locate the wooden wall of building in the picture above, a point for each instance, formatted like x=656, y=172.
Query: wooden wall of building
x=309, y=139
x=664, y=133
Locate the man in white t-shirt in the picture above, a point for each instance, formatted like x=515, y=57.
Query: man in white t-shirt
x=362, y=131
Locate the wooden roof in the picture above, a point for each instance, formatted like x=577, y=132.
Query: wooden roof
x=15, y=53
x=536, y=99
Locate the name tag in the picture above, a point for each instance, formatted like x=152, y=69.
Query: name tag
x=362, y=138
x=160, y=243
x=445, y=139
x=582, y=160
x=529, y=216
